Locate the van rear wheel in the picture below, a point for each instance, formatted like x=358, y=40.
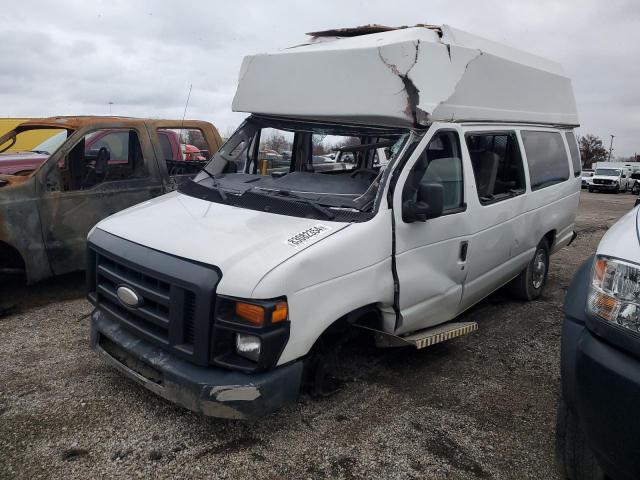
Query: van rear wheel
x=529, y=284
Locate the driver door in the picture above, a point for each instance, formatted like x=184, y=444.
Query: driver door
x=99, y=172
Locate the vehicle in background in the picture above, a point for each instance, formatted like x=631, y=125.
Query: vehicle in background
x=598, y=424
x=635, y=183
x=25, y=162
x=586, y=177
x=263, y=276
x=89, y=169
x=191, y=152
x=609, y=180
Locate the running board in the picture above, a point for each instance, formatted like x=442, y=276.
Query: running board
x=423, y=338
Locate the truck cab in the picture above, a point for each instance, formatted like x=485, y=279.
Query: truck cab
x=88, y=169
x=607, y=179
x=231, y=294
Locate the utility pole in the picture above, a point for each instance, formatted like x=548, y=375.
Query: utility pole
x=110, y=104
x=611, y=147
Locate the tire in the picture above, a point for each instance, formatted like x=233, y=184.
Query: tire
x=617, y=190
x=529, y=284
x=591, y=190
x=575, y=459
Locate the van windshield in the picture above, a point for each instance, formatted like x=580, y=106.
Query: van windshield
x=608, y=172
x=314, y=170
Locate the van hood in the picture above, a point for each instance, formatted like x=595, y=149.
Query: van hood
x=244, y=244
x=622, y=240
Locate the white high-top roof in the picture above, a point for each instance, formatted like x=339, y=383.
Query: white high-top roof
x=405, y=77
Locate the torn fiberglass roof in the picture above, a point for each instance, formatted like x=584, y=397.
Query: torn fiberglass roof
x=407, y=76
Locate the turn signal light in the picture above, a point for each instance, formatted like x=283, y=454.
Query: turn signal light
x=254, y=314
x=280, y=312
x=257, y=314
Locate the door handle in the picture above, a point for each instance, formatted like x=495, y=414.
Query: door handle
x=464, y=248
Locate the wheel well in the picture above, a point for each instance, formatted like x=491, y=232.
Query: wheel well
x=10, y=258
x=550, y=237
x=336, y=332
x=322, y=366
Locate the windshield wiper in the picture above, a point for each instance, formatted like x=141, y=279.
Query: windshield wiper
x=215, y=183
x=316, y=206
x=41, y=152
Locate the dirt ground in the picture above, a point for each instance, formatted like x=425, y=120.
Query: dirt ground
x=481, y=406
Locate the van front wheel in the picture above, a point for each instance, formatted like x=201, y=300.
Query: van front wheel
x=529, y=284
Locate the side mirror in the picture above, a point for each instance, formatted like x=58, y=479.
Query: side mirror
x=429, y=203
x=624, y=176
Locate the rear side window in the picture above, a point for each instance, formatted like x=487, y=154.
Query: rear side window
x=185, y=150
x=497, y=165
x=547, y=158
x=575, y=153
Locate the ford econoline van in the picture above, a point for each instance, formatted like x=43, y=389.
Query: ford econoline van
x=454, y=171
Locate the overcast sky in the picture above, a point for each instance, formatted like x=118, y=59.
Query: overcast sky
x=74, y=57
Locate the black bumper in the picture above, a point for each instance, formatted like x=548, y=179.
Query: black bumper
x=601, y=384
x=603, y=186
x=208, y=390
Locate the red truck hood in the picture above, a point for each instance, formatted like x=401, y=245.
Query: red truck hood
x=11, y=163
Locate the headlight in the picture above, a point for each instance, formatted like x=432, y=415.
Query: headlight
x=248, y=346
x=615, y=292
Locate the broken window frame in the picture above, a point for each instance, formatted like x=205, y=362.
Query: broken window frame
x=365, y=206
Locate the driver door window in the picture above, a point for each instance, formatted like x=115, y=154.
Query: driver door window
x=440, y=163
x=101, y=156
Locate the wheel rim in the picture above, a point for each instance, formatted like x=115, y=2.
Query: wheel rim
x=539, y=269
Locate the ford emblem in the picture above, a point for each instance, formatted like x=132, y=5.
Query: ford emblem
x=128, y=297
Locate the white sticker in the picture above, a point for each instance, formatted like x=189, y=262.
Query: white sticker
x=303, y=237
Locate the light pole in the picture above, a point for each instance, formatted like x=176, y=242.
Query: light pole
x=611, y=147
x=110, y=103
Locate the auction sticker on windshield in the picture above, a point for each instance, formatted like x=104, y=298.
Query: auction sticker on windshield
x=300, y=239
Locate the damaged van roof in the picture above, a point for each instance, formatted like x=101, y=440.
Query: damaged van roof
x=405, y=76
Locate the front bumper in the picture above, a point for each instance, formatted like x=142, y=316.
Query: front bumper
x=601, y=384
x=208, y=390
x=601, y=186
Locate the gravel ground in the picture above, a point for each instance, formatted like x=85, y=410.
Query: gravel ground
x=481, y=406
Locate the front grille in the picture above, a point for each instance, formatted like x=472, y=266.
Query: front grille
x=177, y=295
x=189, y=317
x=600, y=181
x=152, y=317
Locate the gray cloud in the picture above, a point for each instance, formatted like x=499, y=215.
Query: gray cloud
x=74, y=57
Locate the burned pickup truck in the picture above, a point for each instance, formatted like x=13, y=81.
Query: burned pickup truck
x=88, y=169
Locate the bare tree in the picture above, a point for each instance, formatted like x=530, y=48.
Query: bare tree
x=591, y=150
x=317, y=145
x=227, y=133
x=276, y=142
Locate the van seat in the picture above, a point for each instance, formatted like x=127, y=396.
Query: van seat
x=485, y=166
x=447, y=172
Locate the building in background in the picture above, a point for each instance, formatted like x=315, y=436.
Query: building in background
x=27, y=140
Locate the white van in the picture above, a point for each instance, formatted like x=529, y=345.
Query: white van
x=610, y=179
x=464, y=175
